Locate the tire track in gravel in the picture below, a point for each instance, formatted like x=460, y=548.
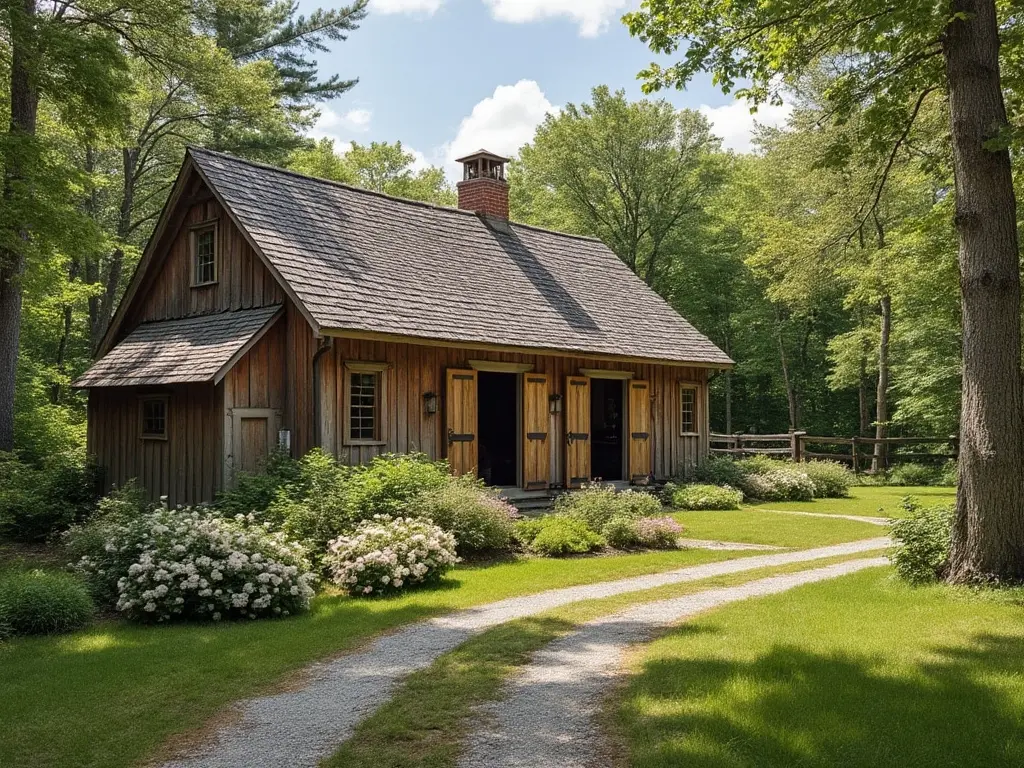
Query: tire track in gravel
x=298, y=728
x=547, y=716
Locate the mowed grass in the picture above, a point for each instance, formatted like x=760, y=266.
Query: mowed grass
x=111, y=695
x=860, y=671
x=424, y=725
x=755, y=525
x=868, y=500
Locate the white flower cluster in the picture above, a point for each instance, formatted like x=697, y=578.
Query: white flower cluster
x=192, y=564
x=385, y=554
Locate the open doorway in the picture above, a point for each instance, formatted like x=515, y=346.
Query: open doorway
x=606, y=425
x=498, y=428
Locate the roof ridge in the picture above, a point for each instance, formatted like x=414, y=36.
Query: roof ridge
x=374, y=193
x=208, y=315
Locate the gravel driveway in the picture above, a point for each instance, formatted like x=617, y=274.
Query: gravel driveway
x=298, y=728
x=546, y=716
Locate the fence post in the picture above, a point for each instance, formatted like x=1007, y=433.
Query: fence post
x=737, y=445
x=796, y=446
x=855, y=447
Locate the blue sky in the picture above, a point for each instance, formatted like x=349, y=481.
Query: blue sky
x=449, y=76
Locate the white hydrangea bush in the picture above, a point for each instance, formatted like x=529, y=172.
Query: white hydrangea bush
x=385, y=554
x=191, y=564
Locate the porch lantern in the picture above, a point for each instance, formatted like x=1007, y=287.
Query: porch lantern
x=555, y=403
x=430, y=403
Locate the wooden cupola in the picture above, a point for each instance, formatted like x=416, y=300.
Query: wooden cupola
x=483, y=188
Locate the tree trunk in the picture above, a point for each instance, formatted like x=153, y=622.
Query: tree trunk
x=787, y=378
x=129, y=160
x=862, y=399
x=880, y=458
x=988, y=533
x=24, y=104
x=728, y=401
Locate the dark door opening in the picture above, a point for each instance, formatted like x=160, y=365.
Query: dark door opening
x=606, y=425
x=498, y=428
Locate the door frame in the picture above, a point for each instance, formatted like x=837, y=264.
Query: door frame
x=232, y=437
x=519, y=370
x=624, y=377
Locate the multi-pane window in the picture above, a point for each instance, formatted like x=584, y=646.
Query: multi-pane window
x=688, y=398
x=364, y=406
x=154, y=418
x=204, y=255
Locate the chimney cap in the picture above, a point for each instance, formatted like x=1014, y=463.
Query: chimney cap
x=482, y=154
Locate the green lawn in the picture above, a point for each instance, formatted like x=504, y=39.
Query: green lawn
x=869, y=500
x=754, y=525
x=110, y=695
x=425, y=722
x=860, y=671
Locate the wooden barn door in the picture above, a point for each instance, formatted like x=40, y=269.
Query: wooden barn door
x=577, y=431
x=461, y=420
x=639, y=431
x=536, y=425
x=253, y=436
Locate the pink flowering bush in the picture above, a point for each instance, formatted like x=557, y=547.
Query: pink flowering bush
x=385, y=554
x=658, y=532
x=191, y=564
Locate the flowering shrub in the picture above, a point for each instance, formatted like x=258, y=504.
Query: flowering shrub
x=190, y=564
x=659, y=532
x=479, y=520
x=704, y=497
x=718, y=470
x=784, y=484
x=385, y=554
x=597, y=504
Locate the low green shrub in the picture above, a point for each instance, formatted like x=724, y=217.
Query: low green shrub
x=37, y=502
x=705, y=497
x=831, y=479
x=554, y=535
x=659, y=532
x=948, y=476
x=254, y=492
x=596, y=504
x=525, y=531
x=42, y=602
x=761, y=465
x=718, y=470
x=479, y=520
x=921, y=541
x=914, y=474
x=622, y=532
x=783, y=484
x=387, y=554
x=390, y=482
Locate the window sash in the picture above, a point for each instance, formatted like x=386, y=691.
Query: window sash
x=204, y=255
x=364, y=395
x=688, y=410
x=153, y=414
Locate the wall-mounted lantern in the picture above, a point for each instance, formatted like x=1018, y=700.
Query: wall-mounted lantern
x=430, y=402
x=555, y=403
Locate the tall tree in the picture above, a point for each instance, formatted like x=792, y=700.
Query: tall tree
x=900, y=54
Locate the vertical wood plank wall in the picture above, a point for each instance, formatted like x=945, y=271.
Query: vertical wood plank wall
x=415, y=370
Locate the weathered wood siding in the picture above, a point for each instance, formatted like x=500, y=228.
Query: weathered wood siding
x=417, y=369
x=186, y=467
x=242, y=279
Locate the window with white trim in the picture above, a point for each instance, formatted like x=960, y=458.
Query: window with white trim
x=688, y=409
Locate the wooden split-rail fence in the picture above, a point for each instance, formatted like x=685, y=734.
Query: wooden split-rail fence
x=858, y=452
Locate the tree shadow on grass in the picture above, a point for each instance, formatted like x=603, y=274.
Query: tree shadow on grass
x=791, y=707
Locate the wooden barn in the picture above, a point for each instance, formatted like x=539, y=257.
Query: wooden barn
x=270, y=308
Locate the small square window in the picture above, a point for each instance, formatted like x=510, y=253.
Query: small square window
x=688, y=399
x=204, y=255
x=154, y=418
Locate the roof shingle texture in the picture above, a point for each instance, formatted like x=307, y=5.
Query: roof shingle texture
x=362, y=261
x=177, y=351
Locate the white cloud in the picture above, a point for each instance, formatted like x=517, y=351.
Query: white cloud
x=501, y=123
x=593, y=16
x=735, y=124
x=340, y=127
x=425, y=7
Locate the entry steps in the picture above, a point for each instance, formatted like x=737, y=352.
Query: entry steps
x=538, y=502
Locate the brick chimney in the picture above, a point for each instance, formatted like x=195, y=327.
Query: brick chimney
x=483, y=188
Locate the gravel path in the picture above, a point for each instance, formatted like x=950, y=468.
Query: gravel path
x=725, y=545
x=856, y=518
x=546, y=718
x=298, y=728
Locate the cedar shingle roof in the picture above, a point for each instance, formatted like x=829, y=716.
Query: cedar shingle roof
x=195, y=349
x=362, y=261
